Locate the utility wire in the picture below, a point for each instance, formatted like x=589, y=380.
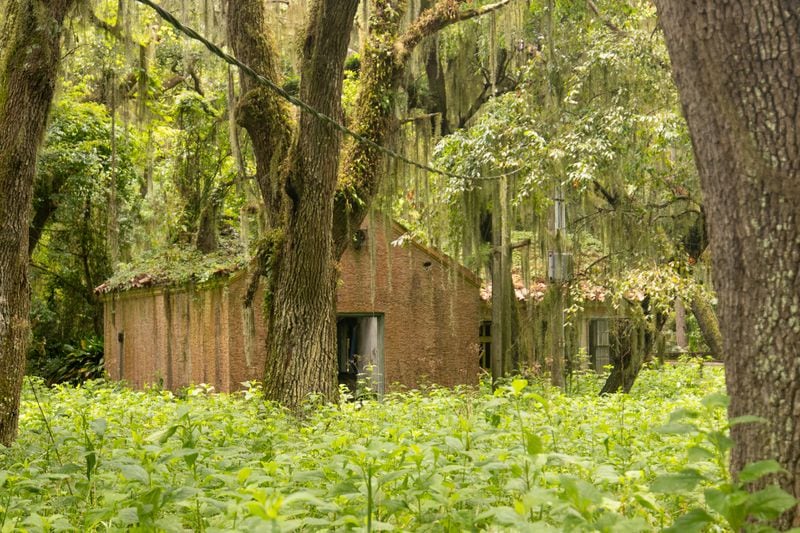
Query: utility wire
x=217, y=51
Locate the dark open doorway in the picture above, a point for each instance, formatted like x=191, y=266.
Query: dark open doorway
x=360, y=353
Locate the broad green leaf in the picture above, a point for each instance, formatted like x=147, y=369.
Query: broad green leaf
x=757, y=470
x=746, y=419
x=533, y=443
x=134, y=473
x=302, y=497
x=180, y=494
x=647, y=501
x=304, y=476
x=683, y=481
x=99, y=426
x=721, y=441
x=697, y=454
x=454, y=443
x=169, y=523
x=682, y=413
x=718, y=500
x=163, y=435
x=694, y=521
x=538, y=397
x=770, y=502
x=243, y=474
x=518, y=385
x=606, y=473
x=676, y=428
x=718, y=400
x=391, y=476
x=128, y=516
x=621, y=524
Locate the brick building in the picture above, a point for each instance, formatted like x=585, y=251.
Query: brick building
x=407, y=315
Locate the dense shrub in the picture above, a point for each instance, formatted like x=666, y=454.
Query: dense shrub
x=68, y=363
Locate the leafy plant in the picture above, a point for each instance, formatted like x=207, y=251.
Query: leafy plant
x=727, y=500
x=526, y=458
x=68, y=363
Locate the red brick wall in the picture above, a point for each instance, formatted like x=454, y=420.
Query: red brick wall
x=172, y=337
x=430, y=308
x=429, y=303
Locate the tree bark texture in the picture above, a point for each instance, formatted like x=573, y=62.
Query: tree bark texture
x=736, y=65
x=29, y=59
x=302, y=352
x=297, y=175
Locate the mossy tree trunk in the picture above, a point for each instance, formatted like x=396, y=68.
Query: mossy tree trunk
x=30, y=53
x=735, y=65
x=709, y=325
x=635, y=342
x=297, y=174
x=314, y=198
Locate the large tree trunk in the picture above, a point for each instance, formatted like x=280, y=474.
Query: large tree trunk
x=629, y=357
x=29, y=58
x=301, y=356
x=312, y=206
x=735, y=65
x=298, y=188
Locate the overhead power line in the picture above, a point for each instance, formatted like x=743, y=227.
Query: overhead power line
x=217, y=51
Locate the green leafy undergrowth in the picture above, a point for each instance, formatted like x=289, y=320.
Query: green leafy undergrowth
x=526, y=458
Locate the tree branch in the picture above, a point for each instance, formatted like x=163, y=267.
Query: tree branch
x=671, y=201
x=419, y=117
x=435, y=19
x=266, y=117
x=115, y=30
x=608, y=23
x=383, y=63
x=514, y=246
x=78, y=289
x=585, y=271
x=503, y=84
x=612, y=199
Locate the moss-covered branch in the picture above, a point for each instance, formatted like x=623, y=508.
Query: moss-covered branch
x=383, y=63
x=380, y=77
x=264, y=115
x=442, y=14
